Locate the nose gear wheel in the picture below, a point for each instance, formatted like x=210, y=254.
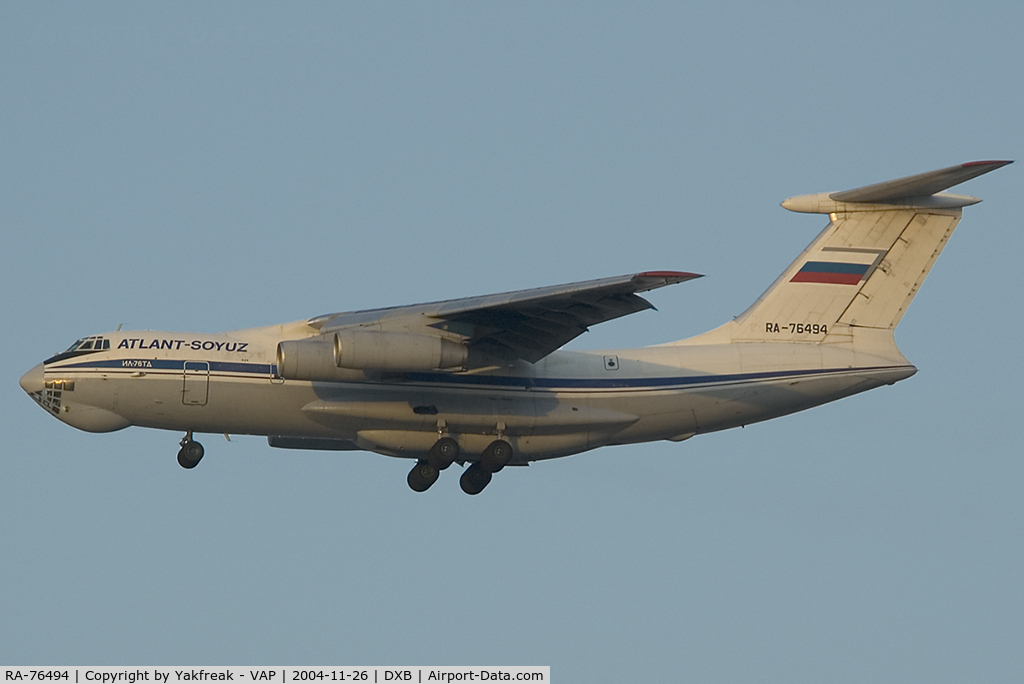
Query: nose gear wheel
x=191, y=452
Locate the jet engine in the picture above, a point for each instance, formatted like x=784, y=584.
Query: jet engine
x=309, y=359
x=319, y=358
x=364, y=350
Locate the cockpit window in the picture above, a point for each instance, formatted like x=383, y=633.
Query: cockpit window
x=86, y=345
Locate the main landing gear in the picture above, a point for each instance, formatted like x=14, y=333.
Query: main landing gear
x=422, y=476
x=445, y=451
x=477, y=476
x=191, y=452
x=474, y=479
x=425, y=472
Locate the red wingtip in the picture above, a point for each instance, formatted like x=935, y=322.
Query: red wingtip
x=992, y=162
x=669, y=274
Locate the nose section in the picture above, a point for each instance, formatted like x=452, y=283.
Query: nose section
x=32, y=381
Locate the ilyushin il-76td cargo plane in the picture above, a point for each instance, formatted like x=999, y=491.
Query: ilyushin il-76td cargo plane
x=481, y=381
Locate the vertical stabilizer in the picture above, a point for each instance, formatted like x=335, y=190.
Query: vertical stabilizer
x=857, y=278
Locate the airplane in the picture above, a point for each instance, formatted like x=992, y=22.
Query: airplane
x=482, y=382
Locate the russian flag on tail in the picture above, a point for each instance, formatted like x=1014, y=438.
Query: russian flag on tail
x=834, y=272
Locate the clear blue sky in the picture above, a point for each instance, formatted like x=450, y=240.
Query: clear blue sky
x=209, y=167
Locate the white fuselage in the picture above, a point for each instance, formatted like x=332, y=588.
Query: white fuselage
x=566, y=403
x=481, y=381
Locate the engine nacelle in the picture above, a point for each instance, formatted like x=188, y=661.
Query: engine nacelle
x=309, y=359
x=319, y=358
x=367, y=350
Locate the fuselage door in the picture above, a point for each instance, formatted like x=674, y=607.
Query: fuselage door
x=195, y=386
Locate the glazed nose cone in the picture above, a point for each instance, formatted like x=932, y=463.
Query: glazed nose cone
x=33, y=380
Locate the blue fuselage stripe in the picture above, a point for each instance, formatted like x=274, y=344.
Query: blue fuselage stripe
x=454, y=379
x=169, y=364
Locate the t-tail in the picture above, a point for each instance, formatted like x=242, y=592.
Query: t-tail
x=854, y=282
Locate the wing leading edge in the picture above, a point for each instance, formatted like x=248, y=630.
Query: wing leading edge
x=524, y=324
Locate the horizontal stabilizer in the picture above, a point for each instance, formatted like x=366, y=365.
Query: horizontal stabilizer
x=919, y=185
x=920, y=190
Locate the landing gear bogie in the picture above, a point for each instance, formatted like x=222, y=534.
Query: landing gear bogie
x=443, y=453
x=496, y=456
x=422, y=476
x=474, y=479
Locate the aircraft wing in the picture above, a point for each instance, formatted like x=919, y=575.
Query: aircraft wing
x=525, y=324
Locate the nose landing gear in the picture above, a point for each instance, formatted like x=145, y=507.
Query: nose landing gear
x=191, y=452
